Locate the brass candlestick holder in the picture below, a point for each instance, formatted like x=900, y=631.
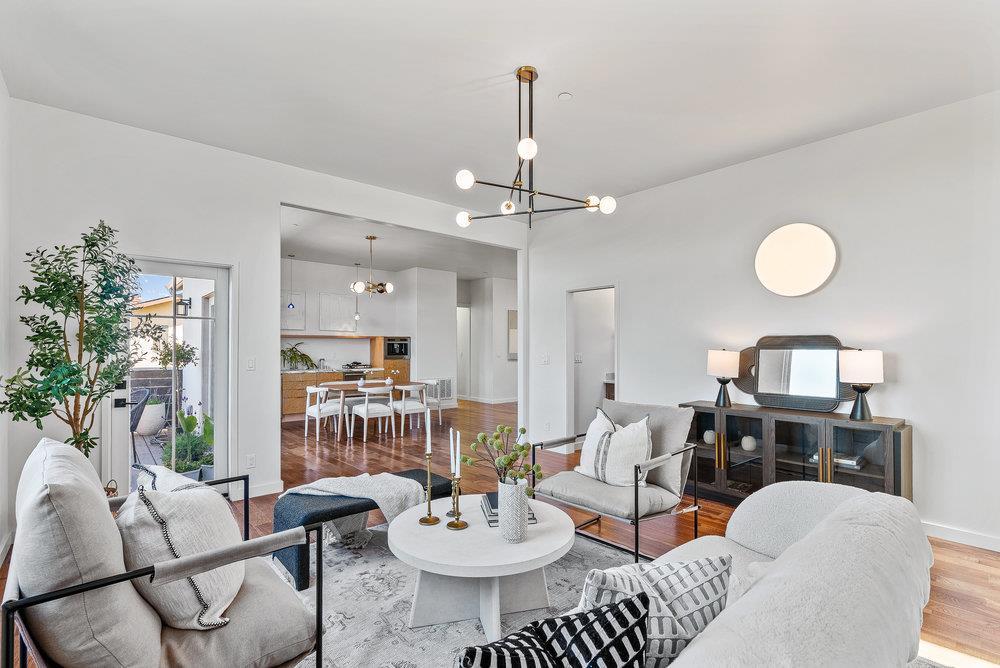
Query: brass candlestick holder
x=429, y=519
x=457, y=523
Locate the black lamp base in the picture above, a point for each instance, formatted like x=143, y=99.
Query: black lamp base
x=722, y=401
x=861, y=412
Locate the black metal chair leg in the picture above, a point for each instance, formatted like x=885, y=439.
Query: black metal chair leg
x=8, y=636
x=637, y=541
x=319, y=597
x=23, y=649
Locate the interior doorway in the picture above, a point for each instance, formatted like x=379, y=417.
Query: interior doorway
x=464, y=380
x=592, y=352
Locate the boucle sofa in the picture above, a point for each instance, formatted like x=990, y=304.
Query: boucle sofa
x=822, y=575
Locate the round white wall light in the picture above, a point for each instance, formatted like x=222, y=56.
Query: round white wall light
x=795, y=259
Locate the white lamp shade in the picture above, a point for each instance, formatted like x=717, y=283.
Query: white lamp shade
x=724, y=363
x=861, y=367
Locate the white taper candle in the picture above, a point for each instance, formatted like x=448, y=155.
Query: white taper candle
x=427, y=417
x=458, y=454
x=451, y=449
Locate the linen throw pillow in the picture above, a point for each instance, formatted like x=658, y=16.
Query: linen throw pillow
x=608, y=636
x=159, y=526
x=518, y=650
x=683, y=598
x=596, y=440
x=161, y=478
x=617, y=453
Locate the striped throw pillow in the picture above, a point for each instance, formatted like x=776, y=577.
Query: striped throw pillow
x=595, y=443
x=609, y=636
x=683, y=598
x=518, y=650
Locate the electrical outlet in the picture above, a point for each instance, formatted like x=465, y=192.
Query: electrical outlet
x=548, y=427
x=578, y=358
x=543, y=359
x=251, y=461
x=252, y=364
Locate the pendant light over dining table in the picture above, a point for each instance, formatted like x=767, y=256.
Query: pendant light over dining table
x=526, y=149
x=359, y=287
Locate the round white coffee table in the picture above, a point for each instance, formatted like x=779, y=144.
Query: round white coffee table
x=474, y=572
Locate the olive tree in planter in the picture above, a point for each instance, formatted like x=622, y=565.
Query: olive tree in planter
x=84, y=339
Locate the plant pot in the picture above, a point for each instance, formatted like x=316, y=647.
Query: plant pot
x=513, y=511
x=194, y=475
x=153, y=419
x=208, y=471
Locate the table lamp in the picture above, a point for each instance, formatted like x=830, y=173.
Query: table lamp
x=724, y=365
x=862, y=369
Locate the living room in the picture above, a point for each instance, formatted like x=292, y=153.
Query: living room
x=788, y=183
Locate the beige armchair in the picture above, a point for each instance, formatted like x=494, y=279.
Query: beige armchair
x=666, y=473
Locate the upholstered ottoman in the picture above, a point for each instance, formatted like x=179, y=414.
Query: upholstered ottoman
x=294, y=510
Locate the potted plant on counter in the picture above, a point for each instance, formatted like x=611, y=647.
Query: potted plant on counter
x=511, y=460
x=293, y=357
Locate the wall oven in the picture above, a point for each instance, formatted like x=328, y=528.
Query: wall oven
x=397, y=348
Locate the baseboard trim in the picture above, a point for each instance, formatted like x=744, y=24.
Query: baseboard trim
x=963, y=536
x=265, y=488
x=487, y=400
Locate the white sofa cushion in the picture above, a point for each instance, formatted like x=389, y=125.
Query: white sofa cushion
x=683, y=598
x=746, y=567
x=572, y=487
x=850, y=593
x=66, y=535
x=775, y=517
x=159, y=526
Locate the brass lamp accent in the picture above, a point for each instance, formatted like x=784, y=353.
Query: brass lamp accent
x=370, y=286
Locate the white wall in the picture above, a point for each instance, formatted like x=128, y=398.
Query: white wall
x=494, y=377
x=463, y=294
x=463, y=383
x=913, y=206
x=434, y=337
x=592, y=337
x=177, y=199
x=5, y=300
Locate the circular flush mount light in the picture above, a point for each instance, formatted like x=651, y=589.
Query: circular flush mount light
x=564, y=96
x=795, y=259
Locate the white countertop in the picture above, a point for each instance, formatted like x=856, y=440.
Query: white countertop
x=366, y=370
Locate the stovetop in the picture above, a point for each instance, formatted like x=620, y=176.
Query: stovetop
x=357, y=365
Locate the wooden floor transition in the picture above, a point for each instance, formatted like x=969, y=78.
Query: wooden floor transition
x=963, y=613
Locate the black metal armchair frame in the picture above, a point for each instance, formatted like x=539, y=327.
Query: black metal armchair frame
x=635, y=520
x=250, y=548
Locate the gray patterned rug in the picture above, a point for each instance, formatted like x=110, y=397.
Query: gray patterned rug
x=367, y=596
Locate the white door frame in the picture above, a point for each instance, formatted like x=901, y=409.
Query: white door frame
x=115, y=444
x=570, y=364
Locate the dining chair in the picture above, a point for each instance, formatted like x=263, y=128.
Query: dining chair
x=372, y=408
x=410, y=404
x=321, y=409
x=432, y=395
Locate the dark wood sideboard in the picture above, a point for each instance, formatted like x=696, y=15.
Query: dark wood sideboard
x=796, y=445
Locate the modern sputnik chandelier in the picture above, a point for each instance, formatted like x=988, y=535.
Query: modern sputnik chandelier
x=370, y=286
x=527, y=149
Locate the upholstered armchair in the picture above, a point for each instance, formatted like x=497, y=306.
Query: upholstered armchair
x=69, y=600
x=666, y=472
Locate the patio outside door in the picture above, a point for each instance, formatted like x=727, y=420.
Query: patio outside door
x=178, y=394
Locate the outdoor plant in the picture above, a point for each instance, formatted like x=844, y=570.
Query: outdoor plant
x=183, y=353
x=293, y=358
x=84, y=339
x=191, y=449
x=154, y=400
x=509, y=457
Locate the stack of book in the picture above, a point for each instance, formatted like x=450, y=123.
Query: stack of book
x=490, y=507
x=851, y=462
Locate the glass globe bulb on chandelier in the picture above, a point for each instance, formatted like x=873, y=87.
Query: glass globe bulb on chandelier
x=523, y=184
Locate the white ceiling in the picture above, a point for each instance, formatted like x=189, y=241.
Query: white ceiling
x=402, y=94
x=333, y=239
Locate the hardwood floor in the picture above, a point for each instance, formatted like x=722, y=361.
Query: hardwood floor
x=963, y=613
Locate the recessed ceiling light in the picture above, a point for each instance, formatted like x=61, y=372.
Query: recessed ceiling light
x=565, y=96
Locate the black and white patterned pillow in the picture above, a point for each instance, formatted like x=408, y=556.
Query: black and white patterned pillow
x=609, y=636
x=683, y=598
x=518, y=650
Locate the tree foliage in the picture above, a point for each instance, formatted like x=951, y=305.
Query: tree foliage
x=84, y=339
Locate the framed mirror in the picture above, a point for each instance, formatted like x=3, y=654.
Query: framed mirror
x=794, y=372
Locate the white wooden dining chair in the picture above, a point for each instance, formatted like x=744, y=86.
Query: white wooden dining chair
x=432, y=395
x=372, y=408
x=320, y=409
x=410, y=404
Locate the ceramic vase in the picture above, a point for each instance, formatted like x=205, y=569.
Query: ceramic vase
x=152, y=420
x=708, y=436
x=513, y=510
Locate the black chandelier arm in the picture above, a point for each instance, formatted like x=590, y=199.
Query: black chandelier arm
x=525, y=190
x=529, y=212
x=513, y=184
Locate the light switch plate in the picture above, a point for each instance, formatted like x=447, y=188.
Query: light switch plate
x=578, y=358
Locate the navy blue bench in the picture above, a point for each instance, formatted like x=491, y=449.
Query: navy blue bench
x=295, y=510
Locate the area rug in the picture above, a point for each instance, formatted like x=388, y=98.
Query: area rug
x=366, y=603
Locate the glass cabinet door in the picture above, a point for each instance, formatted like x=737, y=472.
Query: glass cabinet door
x=742, y=454
x=858, y=455
x=705, y=434
x=796, y=449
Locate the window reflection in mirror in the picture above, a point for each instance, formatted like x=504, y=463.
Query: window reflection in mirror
x=808, y=372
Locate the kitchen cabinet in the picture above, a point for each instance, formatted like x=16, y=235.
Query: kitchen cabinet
x=293, y=388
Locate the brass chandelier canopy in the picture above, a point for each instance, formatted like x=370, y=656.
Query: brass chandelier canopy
x=527, y=149
x=359, y=287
